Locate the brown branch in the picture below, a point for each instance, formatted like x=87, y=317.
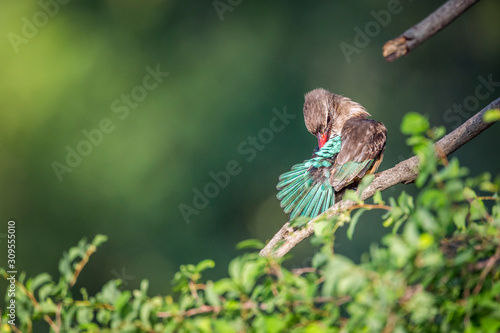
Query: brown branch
x=489, y=266
x=15, y=329
x=33, y=300
x=246, y=306
x=206, y=309
x=82, y=264
x=369, y=207
x=194, y=293
x=404, y=172
x=300, y=271
x=58, y=315
x=425, y=29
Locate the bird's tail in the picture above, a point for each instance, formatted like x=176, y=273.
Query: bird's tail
x=301, y=194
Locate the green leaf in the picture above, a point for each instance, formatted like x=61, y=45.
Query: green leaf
x=314, y=327
x=144, y=286
x=322, y=229
x=388, y=222
x=414, y=124
x=145, y=314
x=411, y=234
x=37, y=281
x=399, y=250
x=477, y=210
x=337, y=269
x=185, y=301
x=354, y=221
x=437, y=133
x=488, y=186
x=204, y=264
x=367, y=180
x=103, y=316
x=75, y=252
x=469, y=194
x=250, y=244
x=65, y=267
x=434, y=198
x=490, y=324
x=464, y=257
x=224, y=285
x=425, y=240
x=299, y=221
x=319, y=259
x=426, y=220
x=235, y=269
x=223, y=326
x=421, y=307
x=491, y=115
x=48, y=306
x=274, y=324
x=122, y=300
x=405, y=202
x=459, y=217
x=45, y=291
x=416, y=141
x=211, y=294
x=250, y=272
x=84, y=315
x=110, y=292
x=377, y=198
x=99, y=239
x=352, y=196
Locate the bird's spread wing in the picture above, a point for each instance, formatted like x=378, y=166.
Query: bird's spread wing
x=363, y=143
x=306, y=189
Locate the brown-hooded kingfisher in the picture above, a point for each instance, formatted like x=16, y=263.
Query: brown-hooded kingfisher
x=350, y=146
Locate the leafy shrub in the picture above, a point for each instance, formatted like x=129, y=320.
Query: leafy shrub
x=436, y=272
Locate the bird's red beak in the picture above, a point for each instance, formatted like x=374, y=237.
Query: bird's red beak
x=322, y=139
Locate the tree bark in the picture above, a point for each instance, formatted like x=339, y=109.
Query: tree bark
x=422, y=31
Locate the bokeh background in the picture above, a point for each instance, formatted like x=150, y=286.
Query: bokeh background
x=227, y=72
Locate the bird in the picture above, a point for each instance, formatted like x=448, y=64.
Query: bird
x=350, y=146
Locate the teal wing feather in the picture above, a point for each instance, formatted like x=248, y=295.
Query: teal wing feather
x=305, y=190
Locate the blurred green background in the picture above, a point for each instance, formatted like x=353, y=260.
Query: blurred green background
x=64, y=72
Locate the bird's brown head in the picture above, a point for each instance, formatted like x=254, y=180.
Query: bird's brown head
x=325, y=113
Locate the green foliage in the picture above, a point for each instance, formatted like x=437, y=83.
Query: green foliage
x=414, y=123
x=436, y=272
x=492, y=115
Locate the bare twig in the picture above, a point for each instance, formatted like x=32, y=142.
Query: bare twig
x=404, y=172
x=422, y=31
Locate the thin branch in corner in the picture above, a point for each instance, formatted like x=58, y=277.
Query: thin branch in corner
x=404, y=172
x=419, y=33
